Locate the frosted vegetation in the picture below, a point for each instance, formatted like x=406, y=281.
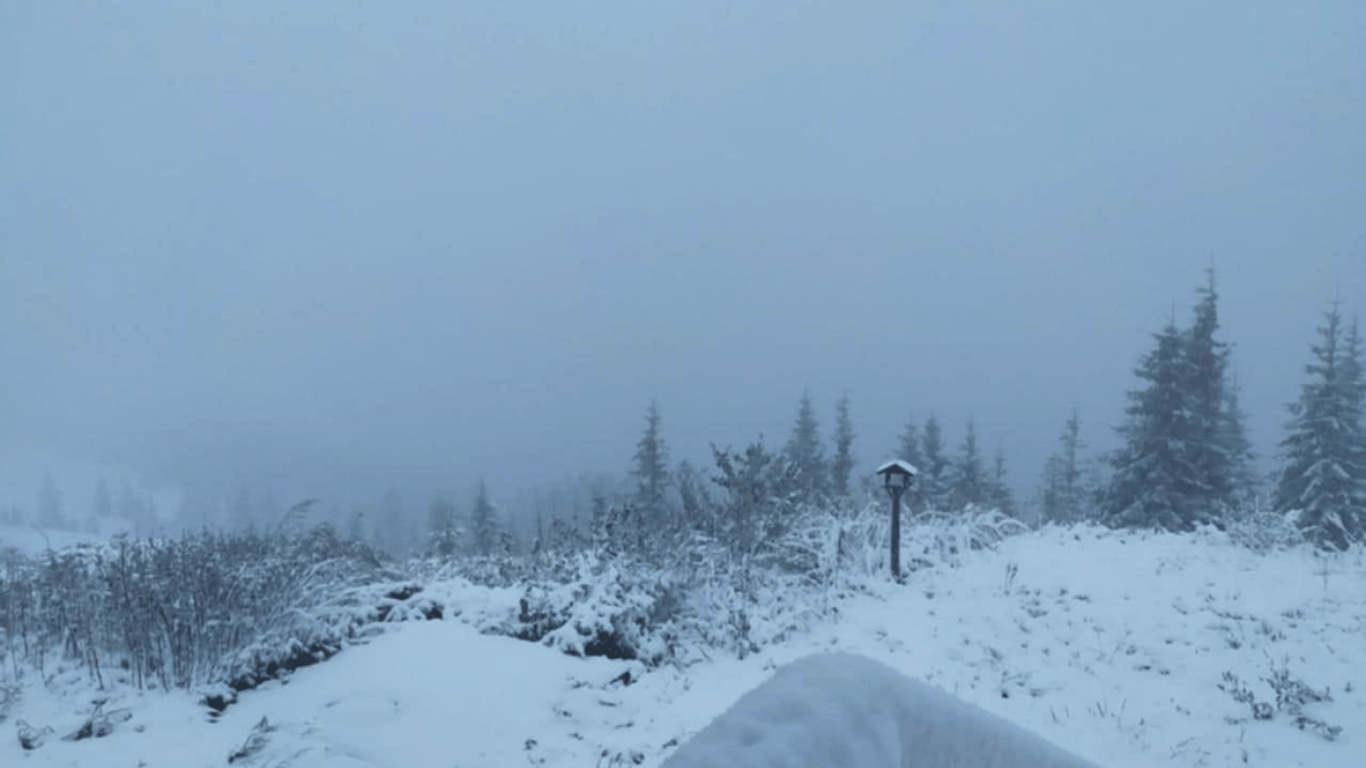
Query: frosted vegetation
x=770, y=548
x=1174, y=649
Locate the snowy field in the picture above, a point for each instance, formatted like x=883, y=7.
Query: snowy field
x=1127, y=649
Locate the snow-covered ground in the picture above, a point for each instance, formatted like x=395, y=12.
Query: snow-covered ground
x=1114, y=646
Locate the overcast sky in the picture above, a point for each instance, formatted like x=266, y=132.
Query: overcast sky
x=460, y=239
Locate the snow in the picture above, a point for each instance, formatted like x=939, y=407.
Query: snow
x=1112, y=646
x=839, y=709
x=904, y=466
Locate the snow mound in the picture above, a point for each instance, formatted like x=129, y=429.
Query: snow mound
x=840, y=709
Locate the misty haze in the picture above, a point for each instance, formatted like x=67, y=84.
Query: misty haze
x=564, y=342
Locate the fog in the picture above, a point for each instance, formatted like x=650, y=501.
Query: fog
x=347, y=246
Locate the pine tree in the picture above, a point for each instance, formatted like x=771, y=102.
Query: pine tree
x=441, y=533
x=805, y=455
x=1063, y=496
x=908, y=447
x=563, y=536
x=1212, y=466
x=1187, y=458
x=842, y=465
x=758, y=491
x=969, y=483
x=999, y=495
x=485, y=532
x=651, y=469
x=934, y=478
x=599, y=508
x=908, y=450
x=1323, y=476
x=1354, y=393
x=692, y=495
x=1233, y=437
x=1149, y=487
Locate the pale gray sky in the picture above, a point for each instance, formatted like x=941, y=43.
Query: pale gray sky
x=462, y=239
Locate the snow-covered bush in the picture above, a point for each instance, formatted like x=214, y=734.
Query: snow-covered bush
x=826, y=544
x=943, y=538
x=740, y=606
x=491, y=570
x=1263, y=529
x=207, y=607
x=718, y=594
x=616, y=608
x=327, y=609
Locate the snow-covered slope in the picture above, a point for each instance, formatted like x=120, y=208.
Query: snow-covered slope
x=839, y=709
x=1128, y=650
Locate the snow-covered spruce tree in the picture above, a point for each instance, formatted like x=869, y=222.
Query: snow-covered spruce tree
x=1184, y=432
x=759, y=490
x=443, y=540
x=1215, y=465
x=563, y=536
x=1323, y=476
x=1062, y=487
x=1234, y=438
x=1150, y=487
x=968, y=483
x=806, y=455
x=842, y=465
x=698, y=512
x=908, y=446
x=999, y=495
x=485, y=533
x=651, y=471
x=933, y=480
x=908, y=449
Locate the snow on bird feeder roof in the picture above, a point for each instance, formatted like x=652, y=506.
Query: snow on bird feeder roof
x=898, y=466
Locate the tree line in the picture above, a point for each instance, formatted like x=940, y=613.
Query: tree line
x=1184, y=459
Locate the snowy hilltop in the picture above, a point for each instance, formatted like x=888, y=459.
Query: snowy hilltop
x=1128, y=649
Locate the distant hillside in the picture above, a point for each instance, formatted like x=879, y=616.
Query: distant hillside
x=21, y=480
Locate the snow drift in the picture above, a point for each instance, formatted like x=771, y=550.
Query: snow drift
x=836, y=710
